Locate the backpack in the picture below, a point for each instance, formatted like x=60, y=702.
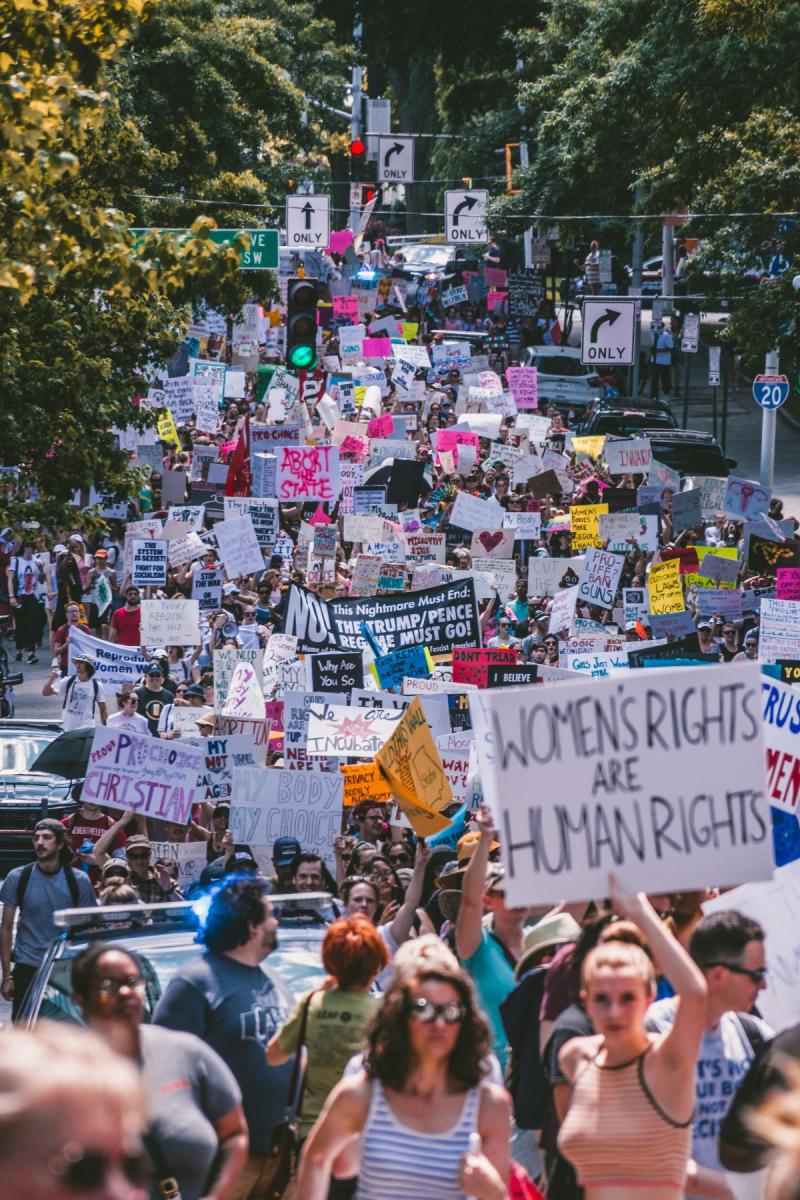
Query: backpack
x=25, y=878
x=751, y=1030
x=527, y=1081
x=71, y=685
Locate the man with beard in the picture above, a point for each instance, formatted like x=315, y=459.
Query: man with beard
x=37, y=891
x=228, y=1000
x=126, y=622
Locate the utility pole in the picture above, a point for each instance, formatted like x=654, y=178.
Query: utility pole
x=667, y=261
x=637, y=258
x=356, y=124
x=769, y=418
x=523, y=162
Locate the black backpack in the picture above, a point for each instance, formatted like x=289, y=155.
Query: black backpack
x=527, y=1081
x=25, y=878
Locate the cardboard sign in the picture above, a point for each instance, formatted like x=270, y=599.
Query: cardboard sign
x=585, y=520
x=472, y=666
x=779, y=635
x=207, y=589
x=469, y=512
x=787, y=583
x=325, y=541
x=143, y=774
x=425, y=547
x=546, y=576
x=626, y=455
x=306, y=473
x=664, y=588
x=238, y=546
x=492, y=543
x=687, y=510
x=716, y=569
x=411, y=764
x=245, y=697
x=149, y=563
x=523, y=383
x=389, y=670
x=264, y=514
x=255, y=733
x=269, y=804
x=337, y=671
x=744, y=498
x=673, y=800
x=363, y=781
x=600, y=576
x=113, y=664
x=767, y=557
x=346, y=732
x=170, y=623
x=225, y=663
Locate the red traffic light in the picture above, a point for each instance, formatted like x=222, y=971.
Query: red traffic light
x=369, y=194
x=358, y=148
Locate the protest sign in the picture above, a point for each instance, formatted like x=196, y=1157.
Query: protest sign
x=492, y=543
x=744, y=498
x=600, y=576
x=523, y=385
x=222, y=754
x=183, y=720
x=472, y=666
x=189, y=514
x=470, y=512
x=716, y=569
x=585, y=520
x=363, y=781
x=527, y=526
x=411, y=764
x=238, y=546
x=189, y=858
x=113, y=664
x=687, y=509
x=693, y=578
x=225, y=663
x=149, y=563
x=660, y=781
x=723, y=602
x=425, y=547
x=625, y=455
x=546, y=576
x=308, y=473
x=787, y=583
x=296, y=707
x=781, y=717
x=170, y=623
x=389, y=670
x=766, y=557
x=263, y=513
x=562, y=609
x=493, y=575
x=452, y=439
x=245, y=697
x=207, y=589
x=309, y=619
x=664, y=588
x=438, y=618
x=185, y=548
x=598, y=664
x=269, y=804
x=255, y=733
x=325, y=541
x=635, y=604
x=349, y=732
x=143, y=774
x=779, y=634
x=337, y=671
x=521, y=675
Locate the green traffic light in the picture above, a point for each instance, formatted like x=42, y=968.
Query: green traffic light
x=302, y=358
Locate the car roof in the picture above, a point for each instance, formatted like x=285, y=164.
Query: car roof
x=556, y=351
x=679, y=437
x=124, y=919
x=17, y=725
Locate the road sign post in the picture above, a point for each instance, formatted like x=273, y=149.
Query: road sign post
x=465, y=216
x=769, y=391
x=308, y=222
x=608, y=332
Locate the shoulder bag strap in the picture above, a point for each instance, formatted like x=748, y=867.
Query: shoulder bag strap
x=297, y=1086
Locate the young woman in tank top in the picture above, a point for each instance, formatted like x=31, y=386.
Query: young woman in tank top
x=419, y=1117
x=627, y=1129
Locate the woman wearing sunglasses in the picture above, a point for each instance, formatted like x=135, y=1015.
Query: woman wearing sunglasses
x=420, y=1112
x=197, y=1134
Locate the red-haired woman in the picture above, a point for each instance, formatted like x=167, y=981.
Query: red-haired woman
x=353, y=954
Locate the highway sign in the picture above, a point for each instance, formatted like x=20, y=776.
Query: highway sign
x=262, y=254
x=465, y=216
x=608, y=335
x=770, y=391
x=396, y=159
x=308, y=221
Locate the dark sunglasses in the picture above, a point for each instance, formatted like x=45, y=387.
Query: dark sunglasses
x=138, y=855
x=427, y=1012
x=81, y=1170
x=755, y=976
x=402, y=856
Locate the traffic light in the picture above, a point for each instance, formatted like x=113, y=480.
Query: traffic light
x=358, y=159
x=301, y=323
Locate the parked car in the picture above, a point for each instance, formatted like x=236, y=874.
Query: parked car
x=164, y=938
x=440, y=264
x=623, y=418
x=563, y=379
x=26, y=796
x=688, y=451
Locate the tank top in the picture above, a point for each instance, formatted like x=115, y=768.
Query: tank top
x=615, y=1132
x=398, y=1163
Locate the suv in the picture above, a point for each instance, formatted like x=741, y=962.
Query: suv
x=625, y=418
x=164, y=938
x=689, y=452
x=27, y=796
x=439, y=264
x=563, y=379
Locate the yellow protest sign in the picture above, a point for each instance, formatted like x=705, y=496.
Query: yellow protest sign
x=664, y=587
x=363, y=781
x=359, y=393
x=696, y=580
x=165, y=427
x=410, y=764
x=591, y=446
x=586, y=525
x=410, y=330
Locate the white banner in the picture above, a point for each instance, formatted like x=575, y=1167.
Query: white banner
x=346, y=732
x=238, y=546
x=143, y=774
x=113, y=664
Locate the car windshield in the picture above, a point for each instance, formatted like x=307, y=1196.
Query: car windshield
x=18, y=752
x=561, y=364
x=297, y=961
x=434, y=256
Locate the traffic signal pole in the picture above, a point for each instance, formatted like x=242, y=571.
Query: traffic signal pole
x=356, y=128
x=769, y=418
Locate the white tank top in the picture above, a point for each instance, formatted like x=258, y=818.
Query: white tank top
x=398, y=1163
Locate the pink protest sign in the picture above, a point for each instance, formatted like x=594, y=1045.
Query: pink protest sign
x=377, y=347
x=308, y=473
x=787, y=583
x=345, y=308
x=495, y=300
x=496, y=279
x=524, y=385
x=381, y=427
x=318, y=517
x=340, y=240
x=353, y=449
x=450, y=439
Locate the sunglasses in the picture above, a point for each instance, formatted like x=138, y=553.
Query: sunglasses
x=755, y=976
x=427, y=1012
x=402, y=857
x=138, y=855
x=81, y=1170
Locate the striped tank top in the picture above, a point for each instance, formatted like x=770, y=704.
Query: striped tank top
x=398, y=1163
x=616, y=1133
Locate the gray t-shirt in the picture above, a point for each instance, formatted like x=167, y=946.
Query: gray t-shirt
x=44, y=895
x=188, y=1088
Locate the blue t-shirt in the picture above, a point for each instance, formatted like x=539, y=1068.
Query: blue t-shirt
x=235, y=1009
x=494, y=979
x=44, y=895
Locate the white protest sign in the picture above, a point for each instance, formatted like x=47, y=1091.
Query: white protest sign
x=781, y=713
x=238, y=546
x=149, y=563
x=470, y=512
x=262, y=512
x=222, y=755
x=349, y=732
x=189, y=857
x=245, y=697
x=625, y=455
x=600, y=577
x=113, y=665
x=143, y=774
x=350, y=340
x=598, y=664
x=562, y=609
x=189, y=514
x=207, y=589
x=170, y=623
x=225, y=663
x=268, y=804
x=527, y=526
x=658, y=778
x=779, y=634
x=308, y=473
x=185, y=549
x=548, y=576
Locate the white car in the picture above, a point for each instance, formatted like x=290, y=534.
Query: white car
x=563, y=379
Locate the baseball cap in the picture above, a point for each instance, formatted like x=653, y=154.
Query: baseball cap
x=101, y=553
x=703, y=624
x=630, y=626
x=284, y=850
x=54, y=827
x=115, y=865
x=138, y=839
x=495, y=876
x=229, y=589
x=154, y=669
x=84, y=657
x=242, y=860
x=194, y=689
